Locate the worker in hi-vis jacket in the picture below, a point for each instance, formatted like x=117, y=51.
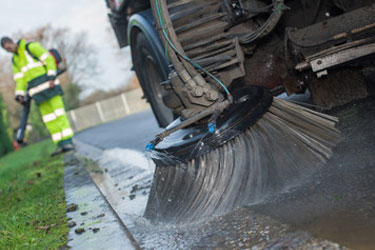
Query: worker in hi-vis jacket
x=34, y=71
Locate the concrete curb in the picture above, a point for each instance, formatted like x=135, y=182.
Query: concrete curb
x=93, y=223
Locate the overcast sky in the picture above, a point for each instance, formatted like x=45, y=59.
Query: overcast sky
x=79, y=15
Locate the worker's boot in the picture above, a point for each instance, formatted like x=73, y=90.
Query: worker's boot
x=68, y=147
x=63, y=149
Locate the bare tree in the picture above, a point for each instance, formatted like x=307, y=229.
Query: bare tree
x=79, y=54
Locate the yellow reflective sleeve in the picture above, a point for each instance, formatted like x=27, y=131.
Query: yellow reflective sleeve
x=21, y=84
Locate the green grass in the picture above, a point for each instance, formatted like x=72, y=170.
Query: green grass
x=32, y=199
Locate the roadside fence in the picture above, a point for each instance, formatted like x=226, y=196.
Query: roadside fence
x=107, y=110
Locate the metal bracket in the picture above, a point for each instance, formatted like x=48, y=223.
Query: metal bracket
x=319, y=64
x=322, y=61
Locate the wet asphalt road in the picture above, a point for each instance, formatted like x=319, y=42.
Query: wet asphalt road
x=337, y=204
x=132, y=132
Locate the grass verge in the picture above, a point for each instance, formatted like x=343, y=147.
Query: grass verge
x=32, y=199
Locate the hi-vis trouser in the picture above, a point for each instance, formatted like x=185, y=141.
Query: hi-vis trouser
x=57, y=123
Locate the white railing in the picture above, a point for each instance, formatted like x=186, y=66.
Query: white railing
x=107, y=110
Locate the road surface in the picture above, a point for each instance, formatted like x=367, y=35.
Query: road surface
x=133, y=132
x=337, y=203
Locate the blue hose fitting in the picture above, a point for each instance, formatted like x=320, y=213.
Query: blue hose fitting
x=211, y=127
x=150, y=146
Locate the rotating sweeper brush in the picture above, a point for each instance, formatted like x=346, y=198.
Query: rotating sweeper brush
x=226, y=149
x=262, y=146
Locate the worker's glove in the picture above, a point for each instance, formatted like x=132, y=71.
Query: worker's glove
x=20, y=99
x=52, y=84
x=51, y=81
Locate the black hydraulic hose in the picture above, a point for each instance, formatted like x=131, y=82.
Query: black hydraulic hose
x=268, y=26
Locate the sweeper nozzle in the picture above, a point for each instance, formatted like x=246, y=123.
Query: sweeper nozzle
x=248, y=106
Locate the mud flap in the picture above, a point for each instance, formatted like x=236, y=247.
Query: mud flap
x=338, y=88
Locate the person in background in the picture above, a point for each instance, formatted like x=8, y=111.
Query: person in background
x=34, y=70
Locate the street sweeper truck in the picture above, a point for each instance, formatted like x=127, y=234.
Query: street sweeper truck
x=211, y=69
x=325, y=46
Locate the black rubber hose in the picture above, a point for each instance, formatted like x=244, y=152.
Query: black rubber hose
x=268, y=26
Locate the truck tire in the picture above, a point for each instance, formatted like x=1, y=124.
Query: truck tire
x=150, y=75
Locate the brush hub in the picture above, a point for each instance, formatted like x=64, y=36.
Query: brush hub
x=249, y=105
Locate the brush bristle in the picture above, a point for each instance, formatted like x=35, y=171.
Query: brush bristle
x=288, y=143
